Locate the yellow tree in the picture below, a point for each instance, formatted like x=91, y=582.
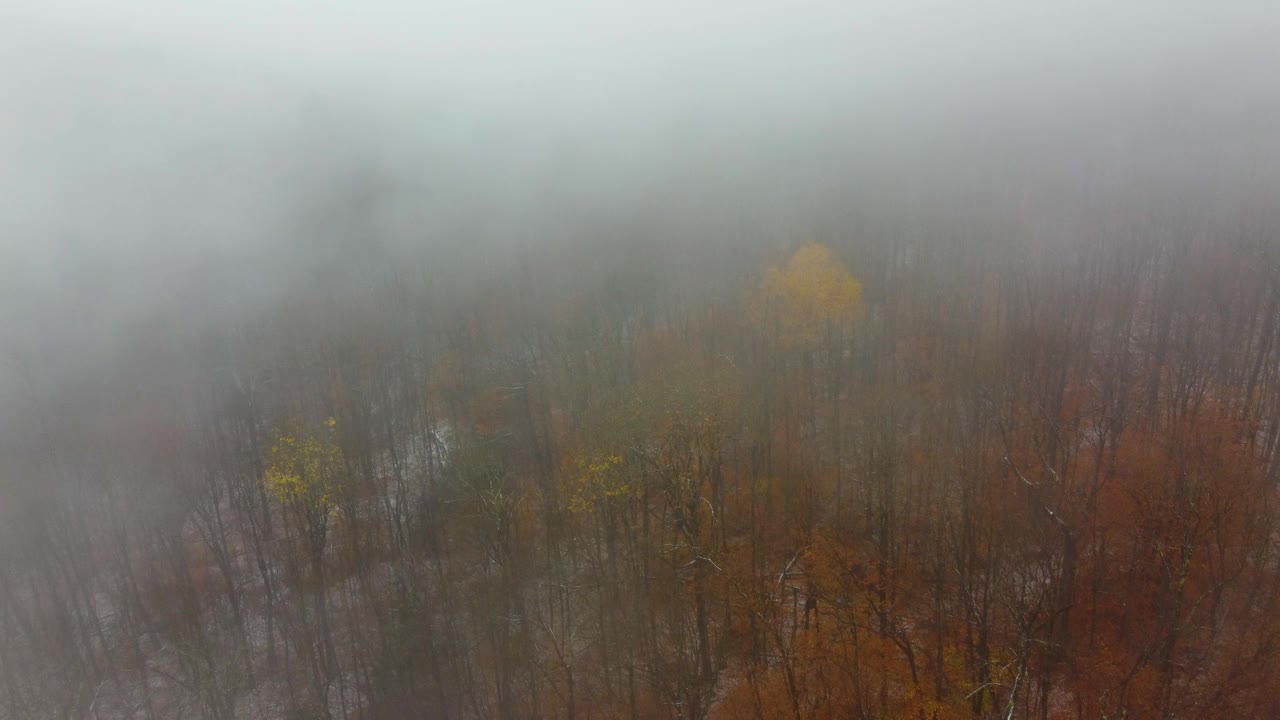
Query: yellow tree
x=811, y=304
x=303, y=473
x=808, y=299
x=303, y=466
x=598, y=477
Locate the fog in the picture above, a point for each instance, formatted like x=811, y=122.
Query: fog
x=158, y=154
x=173, y=172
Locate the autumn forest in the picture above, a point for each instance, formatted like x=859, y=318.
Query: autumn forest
x=860, y=478
x=661, y=360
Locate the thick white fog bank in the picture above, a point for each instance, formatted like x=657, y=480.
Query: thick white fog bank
x=206, y=159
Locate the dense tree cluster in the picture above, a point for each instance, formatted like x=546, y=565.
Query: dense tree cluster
x=855, y=480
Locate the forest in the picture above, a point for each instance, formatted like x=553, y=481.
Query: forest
x=472, y=360
x=868, y=479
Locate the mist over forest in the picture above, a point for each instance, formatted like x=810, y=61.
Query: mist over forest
x=567, y=360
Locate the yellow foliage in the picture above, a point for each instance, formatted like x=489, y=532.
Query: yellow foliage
x=598, y=478
x=811, y=295
x=303, y=467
